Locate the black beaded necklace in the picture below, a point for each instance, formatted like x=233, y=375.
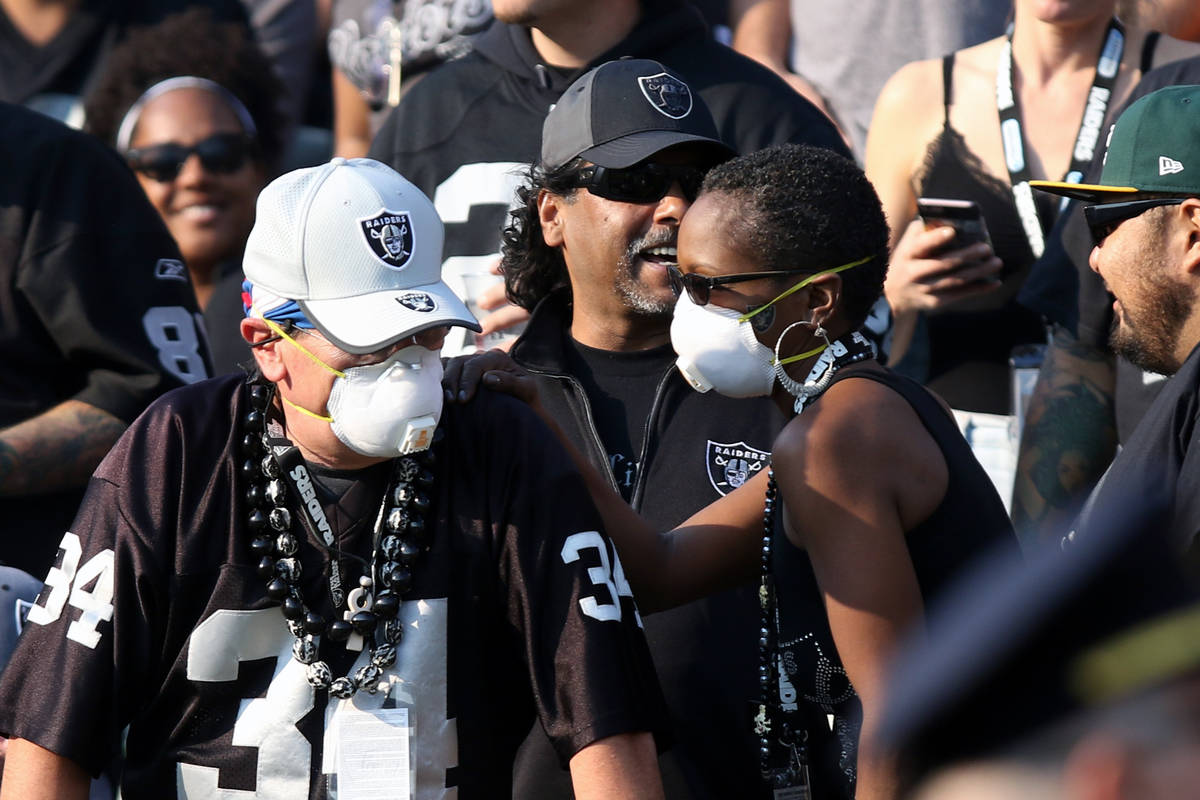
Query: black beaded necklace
x=778, y=731
x=400, y=538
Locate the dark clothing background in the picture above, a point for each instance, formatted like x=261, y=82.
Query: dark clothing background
x=82, y=302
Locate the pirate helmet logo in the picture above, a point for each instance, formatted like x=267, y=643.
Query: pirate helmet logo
x=669, y=95
x=732, y=464
x=390, y=237
x=417, y=301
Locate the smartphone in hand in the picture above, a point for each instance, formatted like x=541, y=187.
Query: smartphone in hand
x=962, y=215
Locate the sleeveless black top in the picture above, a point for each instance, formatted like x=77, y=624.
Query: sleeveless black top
x=970, y=520
x=969, y=345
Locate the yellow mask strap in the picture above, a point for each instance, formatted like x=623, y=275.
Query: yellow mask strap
x=804, y=355
x=305, y=411
x=280, y=331
x=801, y=285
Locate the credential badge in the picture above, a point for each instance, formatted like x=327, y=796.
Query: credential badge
x=731, y=465
x=389, y=235
x=668, y=94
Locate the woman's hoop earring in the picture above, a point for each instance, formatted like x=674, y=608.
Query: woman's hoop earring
x=813, y=386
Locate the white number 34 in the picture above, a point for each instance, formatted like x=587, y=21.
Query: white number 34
x=88, y=588
x=611, y=578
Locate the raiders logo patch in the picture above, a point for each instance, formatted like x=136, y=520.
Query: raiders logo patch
x=668, y=94
x=417, y=301
x=170, y=269
x=731, y=465
x=389, y=234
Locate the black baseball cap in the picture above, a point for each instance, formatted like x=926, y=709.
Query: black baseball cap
x=624, y=111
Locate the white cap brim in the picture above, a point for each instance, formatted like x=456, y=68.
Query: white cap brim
x=370, y=322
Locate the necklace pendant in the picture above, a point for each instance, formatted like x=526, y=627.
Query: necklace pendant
x=359, y=600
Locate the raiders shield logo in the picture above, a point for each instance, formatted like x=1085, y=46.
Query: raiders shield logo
x=390, y=237
x=668, y=94
x=731, y=465
x=417, y=301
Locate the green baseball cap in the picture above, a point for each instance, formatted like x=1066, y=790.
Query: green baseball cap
x=1153, y=148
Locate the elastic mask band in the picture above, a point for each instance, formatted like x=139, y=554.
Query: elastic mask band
x=801, y=356
x=802, y=284
x=338, y=373
x=305, y=411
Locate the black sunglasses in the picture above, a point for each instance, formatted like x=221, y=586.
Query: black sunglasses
x=647, y=182
x=699, y=287
x=223, y=153
x=1103, y=219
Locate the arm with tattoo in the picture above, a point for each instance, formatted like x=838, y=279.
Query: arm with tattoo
x=58, y=449
x=1070, y=438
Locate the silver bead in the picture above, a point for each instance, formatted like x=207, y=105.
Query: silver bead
x=288, y=569
x=391, y=544
x=408, y=469
x=304, y=650
x=285, y=544
x=367, y=678
x=319, y=675
x=384, y=655
x=342, y=688
x=402, y=494
x=397, y=518
x=393, y=631
x=281, y=519
x=296, y=626
x=276, y=492
x=269, y=467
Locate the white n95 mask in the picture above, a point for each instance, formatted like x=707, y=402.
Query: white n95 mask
x=383, y=410
x=391, y=408
x=717, y=350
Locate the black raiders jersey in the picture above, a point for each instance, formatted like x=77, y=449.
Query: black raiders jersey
x=155, y=618
x=95, y=303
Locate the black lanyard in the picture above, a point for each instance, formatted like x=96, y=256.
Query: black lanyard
x=1086, y=141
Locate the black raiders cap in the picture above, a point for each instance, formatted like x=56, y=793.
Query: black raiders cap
x=623, y=111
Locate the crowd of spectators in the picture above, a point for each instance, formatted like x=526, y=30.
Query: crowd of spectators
x=870, y=631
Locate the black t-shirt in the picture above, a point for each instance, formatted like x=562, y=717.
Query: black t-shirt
x=1161, y=455
x=157, y=619
x=620, y=388
x=95, y=304
x=970, y=520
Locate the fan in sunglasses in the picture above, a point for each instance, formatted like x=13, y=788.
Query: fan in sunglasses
x=192, y=107
x=192, y=146
x=870, y=501
x=589, y=246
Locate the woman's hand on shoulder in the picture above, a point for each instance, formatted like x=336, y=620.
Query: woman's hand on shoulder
x=495, y=370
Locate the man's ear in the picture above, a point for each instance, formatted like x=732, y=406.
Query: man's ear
x=267, y=356
x=550, y=216
x=1191, y=213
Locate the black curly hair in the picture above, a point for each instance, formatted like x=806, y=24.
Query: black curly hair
x=802, y=206
x=532, y=269
x=189, y=43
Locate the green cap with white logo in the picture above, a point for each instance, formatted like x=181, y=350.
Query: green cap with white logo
x=1153, y=148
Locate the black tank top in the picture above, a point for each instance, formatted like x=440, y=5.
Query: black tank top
x=969, y=345
x=970, y=520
